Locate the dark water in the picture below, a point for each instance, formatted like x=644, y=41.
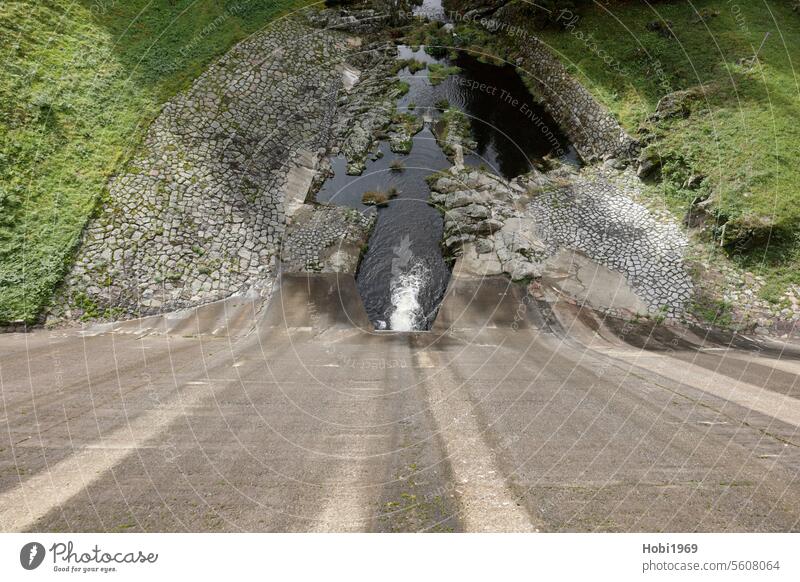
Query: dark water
x=404, y=252
x=512, y=131
x=402, y=277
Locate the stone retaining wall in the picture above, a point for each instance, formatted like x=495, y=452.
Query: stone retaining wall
x=594, y=132
x=595, y=212
x=325, y=239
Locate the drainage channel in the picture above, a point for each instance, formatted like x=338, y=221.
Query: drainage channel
x=403, y=276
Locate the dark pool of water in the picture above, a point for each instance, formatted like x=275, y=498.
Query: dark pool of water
x=512, y=131
x=402, y=277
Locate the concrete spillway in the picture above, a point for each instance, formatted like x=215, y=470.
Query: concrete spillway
x=297, y=416
x=331, y=300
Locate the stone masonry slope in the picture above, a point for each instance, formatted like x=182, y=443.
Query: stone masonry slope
x=198, y=215
x=596, y=212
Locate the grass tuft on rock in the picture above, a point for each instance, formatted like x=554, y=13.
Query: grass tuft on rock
x=379, y=197
x=438, y=73
x=442, y=105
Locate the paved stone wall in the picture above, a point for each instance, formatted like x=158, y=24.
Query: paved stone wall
x=198, y=215
x=594, y=132
x=517, y=227
x=325, y=239
x=595, y=211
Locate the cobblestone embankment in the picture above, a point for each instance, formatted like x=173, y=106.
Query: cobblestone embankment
x=594, y=132
x=516, y=227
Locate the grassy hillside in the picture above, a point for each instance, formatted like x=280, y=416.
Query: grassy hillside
x=739, y=121
x=79, y=84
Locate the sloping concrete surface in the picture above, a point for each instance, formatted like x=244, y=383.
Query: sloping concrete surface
x=511, y=415
x=591, y=284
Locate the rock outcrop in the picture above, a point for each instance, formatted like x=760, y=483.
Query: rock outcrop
x=366, y=112
x=483, y=224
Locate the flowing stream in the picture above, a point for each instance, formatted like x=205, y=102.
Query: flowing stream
x=402, y=277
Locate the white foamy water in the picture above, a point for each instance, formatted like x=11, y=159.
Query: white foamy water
x=405, y=289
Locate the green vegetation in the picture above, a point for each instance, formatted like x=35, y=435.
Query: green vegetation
x=433, y=177
x=439, y=42
x=407, y=122
x=401, y=88
x=80, y=83
x=454, y=128
x=714, y=311
x=432, y=36
x=404, y=127
x=438, y=73
x=730, y=132
x=413, y=65
x=397, y=166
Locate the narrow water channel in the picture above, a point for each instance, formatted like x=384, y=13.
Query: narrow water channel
x=402, y=277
